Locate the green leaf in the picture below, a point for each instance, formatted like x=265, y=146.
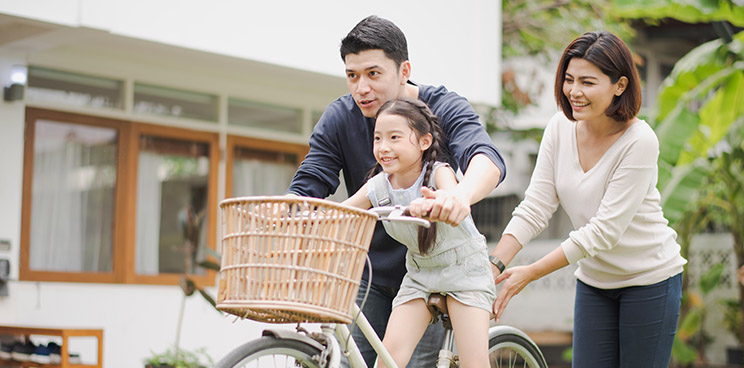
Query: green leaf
x=210, y=265
x=674, y=132
x=710, y=279
x=682, y=352
x=691, y=323
x=213, y=253
x=207, y=297
x=716, y=117
x=689, y=11
x=681, y=191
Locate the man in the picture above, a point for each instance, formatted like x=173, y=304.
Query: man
x=375, y=53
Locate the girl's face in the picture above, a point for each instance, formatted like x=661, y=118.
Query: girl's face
x=396, y=146
x=590, y=91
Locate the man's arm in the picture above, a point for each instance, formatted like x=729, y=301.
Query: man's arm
x=318, y=175
x=453, y=206
x=472, y=149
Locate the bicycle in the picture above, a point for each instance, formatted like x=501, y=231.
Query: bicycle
x=300, y=260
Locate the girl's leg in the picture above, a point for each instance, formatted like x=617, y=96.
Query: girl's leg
x=470, y=325
x=595, y=335
x=407, y=324
x=648, y=323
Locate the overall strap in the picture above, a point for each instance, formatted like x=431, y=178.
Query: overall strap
x=381, y=189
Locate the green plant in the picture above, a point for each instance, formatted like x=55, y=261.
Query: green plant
x=732, y=317
x=691, y=338
x=179, y=358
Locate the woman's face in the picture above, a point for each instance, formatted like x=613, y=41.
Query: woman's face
x=590, y=91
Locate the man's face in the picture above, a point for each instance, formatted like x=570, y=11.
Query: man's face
x=373, y=79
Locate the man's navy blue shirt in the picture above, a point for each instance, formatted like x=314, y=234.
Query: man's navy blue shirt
x=343, y=140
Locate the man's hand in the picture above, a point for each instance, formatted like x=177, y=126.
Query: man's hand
x=441, y=205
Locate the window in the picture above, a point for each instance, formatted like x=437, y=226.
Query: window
x=266, y=117
x=114, y=201
x=55, y=86
x=72, y=208
x=156, y=100
x=172, y=188
x=261, y=167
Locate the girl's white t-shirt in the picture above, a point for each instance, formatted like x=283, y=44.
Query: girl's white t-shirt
x=620, y=236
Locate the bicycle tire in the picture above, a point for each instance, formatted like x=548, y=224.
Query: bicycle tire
x=269, y=351
x=510, y=350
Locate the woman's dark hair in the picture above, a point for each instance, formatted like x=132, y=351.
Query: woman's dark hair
x=422, y=121
x=612, y=56
x=373, y=33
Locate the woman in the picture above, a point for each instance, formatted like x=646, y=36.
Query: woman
x=598, y=160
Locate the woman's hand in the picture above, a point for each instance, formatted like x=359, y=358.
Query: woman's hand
x=515, y=279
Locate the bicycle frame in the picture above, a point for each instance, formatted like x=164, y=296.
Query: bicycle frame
x=338, y=340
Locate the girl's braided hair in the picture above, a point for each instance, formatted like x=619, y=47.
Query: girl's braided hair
x=422, y=121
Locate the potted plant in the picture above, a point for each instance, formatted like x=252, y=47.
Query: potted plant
x=179, y=358
x=732, y=320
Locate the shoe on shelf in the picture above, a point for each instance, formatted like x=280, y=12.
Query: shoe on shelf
x=22, y=352
x=55, y=352
x=41, y=355
x=5, y=350
x=75, y=359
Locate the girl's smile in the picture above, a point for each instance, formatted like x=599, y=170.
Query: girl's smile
x=398, y=149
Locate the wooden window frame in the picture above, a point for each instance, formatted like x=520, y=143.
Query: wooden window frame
x=300, y=150
x=125, y=211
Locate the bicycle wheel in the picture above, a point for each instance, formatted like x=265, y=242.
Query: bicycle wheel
x=511, y=350
x=271, y=352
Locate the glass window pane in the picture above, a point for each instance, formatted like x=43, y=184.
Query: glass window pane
x=172, y=187
x=259, y=172
x=72, y=209
x=75, y=89
x=155, y=100
x=255, y=115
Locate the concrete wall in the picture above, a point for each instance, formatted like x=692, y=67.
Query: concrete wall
x=458, y=46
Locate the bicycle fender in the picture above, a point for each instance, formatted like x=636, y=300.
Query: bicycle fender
x=509, y=330
x=291, y=335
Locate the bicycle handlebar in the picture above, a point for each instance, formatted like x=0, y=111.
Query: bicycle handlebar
x=399, y=214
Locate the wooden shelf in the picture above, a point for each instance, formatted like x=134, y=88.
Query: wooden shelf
x=65, y=334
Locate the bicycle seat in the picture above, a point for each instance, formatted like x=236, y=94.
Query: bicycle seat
x=437, y=304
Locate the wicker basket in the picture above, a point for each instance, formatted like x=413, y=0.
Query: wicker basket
x=292, y=259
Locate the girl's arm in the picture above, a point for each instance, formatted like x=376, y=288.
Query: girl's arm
x=359, y=199
x=444, y=179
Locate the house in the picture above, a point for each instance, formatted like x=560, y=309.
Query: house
x=130, y=121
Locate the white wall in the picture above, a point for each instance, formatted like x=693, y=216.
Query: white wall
x=11, y=165
x=458, y=46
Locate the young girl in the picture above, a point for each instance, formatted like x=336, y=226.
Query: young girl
x=442, y=259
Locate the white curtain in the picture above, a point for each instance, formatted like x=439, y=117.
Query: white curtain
x=70, y=212
x=255, y=177
x=148, y=214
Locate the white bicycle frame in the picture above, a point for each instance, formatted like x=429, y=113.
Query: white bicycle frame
x=343, y=342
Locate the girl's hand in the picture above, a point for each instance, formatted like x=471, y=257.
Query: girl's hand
x=420, y=207
x=515, y=279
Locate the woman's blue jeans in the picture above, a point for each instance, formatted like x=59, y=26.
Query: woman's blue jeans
x=628, y=328
x=377, y=309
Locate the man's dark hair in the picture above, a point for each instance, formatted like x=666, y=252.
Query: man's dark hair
x=375, y=33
